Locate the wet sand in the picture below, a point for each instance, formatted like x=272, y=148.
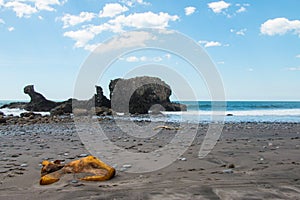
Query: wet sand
x=250, y=161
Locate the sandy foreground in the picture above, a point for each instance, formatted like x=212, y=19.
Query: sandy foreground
x=250, y=161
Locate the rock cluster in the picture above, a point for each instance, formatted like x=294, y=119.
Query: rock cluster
x=136, y=96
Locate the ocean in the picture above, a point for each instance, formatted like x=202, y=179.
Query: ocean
x=237, y=111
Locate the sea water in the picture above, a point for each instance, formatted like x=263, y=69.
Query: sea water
x=242, y=111
x=230, y=111
x=15, y=111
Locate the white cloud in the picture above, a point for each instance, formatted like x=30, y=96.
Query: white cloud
x=40, y=17
x=157, y=59
x=10, y=29
x=218, y=6
x=2, y=21
x=25, y=8
x=46, y=4
x=280, y=26
x=221, y=62
x=144, y=20
x=210, y=44
x=189, y=10
x=132, y=59
x=116, y=25
x=250, y=69
x=72, y=20
x=112, y=9
x=242, y=9
x=239, y=32
x=168, y=56
x=293, y=69
x=82, y=37
x=143, y=59
x=131, y=3
x=298, y=56
x=91, y=47
x=21, y=9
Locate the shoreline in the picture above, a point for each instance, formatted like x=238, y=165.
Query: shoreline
x=265, y=157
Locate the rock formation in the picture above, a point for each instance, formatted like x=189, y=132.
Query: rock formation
x=136, y=95
x=38, y=102
x=98, y=101
x=140, y=94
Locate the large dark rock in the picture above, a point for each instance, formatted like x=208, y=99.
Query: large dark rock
x=140, y=94
x=38, y=102
x=100, y=99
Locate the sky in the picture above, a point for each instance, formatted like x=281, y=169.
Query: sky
x=254, y=44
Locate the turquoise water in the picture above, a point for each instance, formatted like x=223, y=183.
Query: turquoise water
x=240, y=111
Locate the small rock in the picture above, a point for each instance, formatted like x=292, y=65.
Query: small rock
x=231, y=166
x=66, y=154
x=182, y=159
x=127, y=166
x=83, y=155
x=24, y=165
x=74, y=181
x=228, y=171
x=261, y=159
x=270, y=144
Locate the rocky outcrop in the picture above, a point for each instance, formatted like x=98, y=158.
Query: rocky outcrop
x=65, y=108
x=99, y=101
x=38, y=102
x=12, y=105
x=140, y=94
x=136, y=95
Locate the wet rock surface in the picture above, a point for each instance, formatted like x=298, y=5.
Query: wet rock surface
x=138, y=95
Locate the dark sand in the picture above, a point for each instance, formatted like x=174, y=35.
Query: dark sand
x=266, y=159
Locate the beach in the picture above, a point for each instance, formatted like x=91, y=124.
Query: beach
x=250, y=161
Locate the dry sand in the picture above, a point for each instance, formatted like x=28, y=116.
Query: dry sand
x=265, y=157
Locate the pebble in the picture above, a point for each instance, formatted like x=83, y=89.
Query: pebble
x=66, y=154
x=127, y=166
x=83, y=155
x=74, y=181
x=228, y=171
x=270, y=144
x=24, y=165
x=183, y=159
x=231, y=166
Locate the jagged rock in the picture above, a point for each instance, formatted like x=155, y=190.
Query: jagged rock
x=12, y=105
x=65, y=108
x=138, y=95
x=100, y=99
x=38, y=102
x=80, y=112
x=30, y=115
x=2, y=119
x=101, y=111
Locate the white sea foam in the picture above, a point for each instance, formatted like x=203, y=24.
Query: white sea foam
x=17, y=111
x=278, y=112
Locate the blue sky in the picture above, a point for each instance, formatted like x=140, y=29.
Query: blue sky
x=255, y=45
